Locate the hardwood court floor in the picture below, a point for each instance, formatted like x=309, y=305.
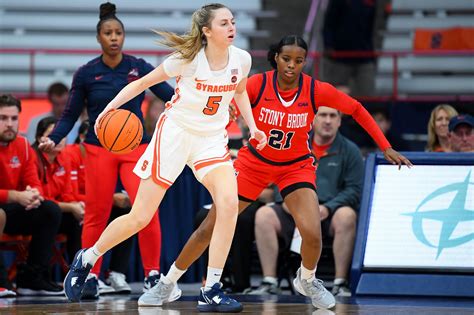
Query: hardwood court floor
x=283, y=304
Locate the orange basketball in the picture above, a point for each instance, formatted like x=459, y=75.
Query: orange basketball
x=120, y=131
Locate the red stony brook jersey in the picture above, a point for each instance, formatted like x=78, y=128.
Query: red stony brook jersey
x=287, y=128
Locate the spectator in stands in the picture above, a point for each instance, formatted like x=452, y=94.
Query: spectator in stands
x=461, y=133
x=438, y=128
x=57, y=96
x=27, y=213
x=155, y=107
x=92, y=88
x=339, y=184
x=382, y=118
x=348, y=26
x=54, y=171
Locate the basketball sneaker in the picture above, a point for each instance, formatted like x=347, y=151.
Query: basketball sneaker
x=341, y=289
x=76, y=278
x=214, y=300
x=159, y=294
x=4, y=292
x=90, y=291
x=265, y=288
x=320, y=297
x=33, y=280
x=104, y=288
x=117, y=281
x=150, y=281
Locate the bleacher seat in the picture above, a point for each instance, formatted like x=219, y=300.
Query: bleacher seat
x=57, y=24
x=426, y=74
x=432, y=5
x=186, y=6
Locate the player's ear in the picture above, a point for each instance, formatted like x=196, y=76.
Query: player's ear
x=276, y=57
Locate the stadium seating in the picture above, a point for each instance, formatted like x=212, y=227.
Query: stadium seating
x=420, y=74
x=72, y=25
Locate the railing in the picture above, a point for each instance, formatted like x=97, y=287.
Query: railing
x=315, y=57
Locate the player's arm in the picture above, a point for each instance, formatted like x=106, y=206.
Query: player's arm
x=328, y=95
x=136, y=87
x=242, y=100
x=133, y=89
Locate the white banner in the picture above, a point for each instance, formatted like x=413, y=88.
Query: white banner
x=422, y=217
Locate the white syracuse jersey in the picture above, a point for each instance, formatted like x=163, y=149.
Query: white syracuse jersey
x=202, y=97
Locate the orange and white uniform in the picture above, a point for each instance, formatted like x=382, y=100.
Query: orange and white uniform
x=191, y=131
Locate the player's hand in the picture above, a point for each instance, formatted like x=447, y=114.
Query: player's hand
x=323, y=212
x=396, y=158
x=46, y=144
x=27, y=199
x=99, y=118
x=121, y=200
x=233, y=114
x=77, y=210
x=35, y=191
x=260, y=137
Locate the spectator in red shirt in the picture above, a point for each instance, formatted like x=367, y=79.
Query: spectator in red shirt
x=27, y=213
x=54, y=170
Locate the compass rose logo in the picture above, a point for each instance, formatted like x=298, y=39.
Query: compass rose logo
x=449, y=218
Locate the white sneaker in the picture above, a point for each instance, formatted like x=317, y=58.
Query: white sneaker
x=320, y=297
x=4, y=292
x=159, y=294
x=105, y=289
x=118, y=282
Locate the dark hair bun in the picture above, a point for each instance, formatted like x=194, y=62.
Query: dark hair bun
x=107, y=10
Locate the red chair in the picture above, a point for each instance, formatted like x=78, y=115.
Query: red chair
x=19, y=244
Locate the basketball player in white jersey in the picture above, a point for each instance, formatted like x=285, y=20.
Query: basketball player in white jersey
x=209, y=72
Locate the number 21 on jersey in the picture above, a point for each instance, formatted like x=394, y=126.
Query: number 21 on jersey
x=279, y=140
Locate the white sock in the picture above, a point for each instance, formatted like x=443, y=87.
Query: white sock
x=338, y=281
x=90, y=256
x=174, y=273
x=213, y=277
x=92, y=275
x=306, y=274
x=271, y=280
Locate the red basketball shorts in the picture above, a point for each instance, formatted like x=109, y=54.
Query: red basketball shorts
x=254, y=175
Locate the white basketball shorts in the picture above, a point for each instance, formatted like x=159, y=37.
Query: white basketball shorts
x=172, y=148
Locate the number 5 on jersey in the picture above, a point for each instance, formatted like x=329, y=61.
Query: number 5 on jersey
x=212, y=105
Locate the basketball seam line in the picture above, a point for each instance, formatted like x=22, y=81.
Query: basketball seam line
x=118, y=134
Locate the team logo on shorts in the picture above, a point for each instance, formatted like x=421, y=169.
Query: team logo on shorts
x=233, y=79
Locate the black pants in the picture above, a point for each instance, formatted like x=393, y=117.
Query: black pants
x=238, y=265
x=120, y=259
x=71, y=228
x=41, y=223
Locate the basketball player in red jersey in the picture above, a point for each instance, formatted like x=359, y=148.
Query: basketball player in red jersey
x=284, y=102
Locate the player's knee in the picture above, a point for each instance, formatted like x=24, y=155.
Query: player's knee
x=264, y=216
x=227, y=205
x=311, y=237
x=344, y=220
x=50, y=213
x=139, y=222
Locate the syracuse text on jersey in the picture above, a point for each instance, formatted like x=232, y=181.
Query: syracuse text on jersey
x=277, y=118
x=215, y=88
